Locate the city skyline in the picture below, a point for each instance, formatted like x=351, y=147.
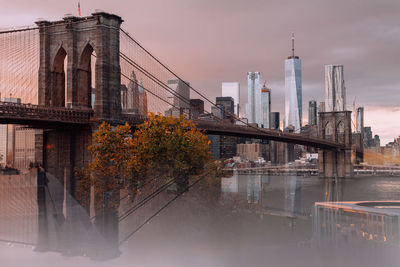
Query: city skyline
x=363, y=34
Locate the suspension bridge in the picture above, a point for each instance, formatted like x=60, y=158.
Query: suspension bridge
x=74, y=73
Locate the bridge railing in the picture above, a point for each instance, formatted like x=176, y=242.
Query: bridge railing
x=36, y=112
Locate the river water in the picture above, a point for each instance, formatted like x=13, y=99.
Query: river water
x=243, y=220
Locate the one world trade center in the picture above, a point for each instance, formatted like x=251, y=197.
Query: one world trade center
x=293, y=91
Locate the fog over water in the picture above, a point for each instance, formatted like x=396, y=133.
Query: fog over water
x=243, y=220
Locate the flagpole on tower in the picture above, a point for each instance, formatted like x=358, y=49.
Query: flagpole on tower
x=79, y=9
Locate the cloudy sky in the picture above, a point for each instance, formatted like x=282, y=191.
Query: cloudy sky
x=210, y=41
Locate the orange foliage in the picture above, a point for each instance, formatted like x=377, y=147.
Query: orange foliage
x=167, y=145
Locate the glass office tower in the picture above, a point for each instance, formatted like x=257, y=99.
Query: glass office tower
x=265, y=106
x=253, y=97
x=293, y=91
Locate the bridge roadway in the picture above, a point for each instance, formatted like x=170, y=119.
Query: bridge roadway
x=59, y=117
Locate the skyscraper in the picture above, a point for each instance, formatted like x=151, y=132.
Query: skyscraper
x=312, y=112
x=253, y=97
x=134, y=97
x=227, y=104
x=360, y=120
x=293, y=91
x=335, y=91
x=367, y=138
x=130, y=96
x=265, y=106
x=232, y=89
x=180, y=99
x=274, y=121
x=142, y=99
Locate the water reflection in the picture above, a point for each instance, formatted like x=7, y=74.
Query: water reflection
x=53, y=220
x=253, y=189
x=357, y=235
x=243, y=220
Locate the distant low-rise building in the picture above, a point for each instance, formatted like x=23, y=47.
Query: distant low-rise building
x=249, y=151
x=17, y=143
x=24, y=147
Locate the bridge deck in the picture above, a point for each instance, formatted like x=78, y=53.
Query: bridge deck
x=36, y=115
x=58, y=117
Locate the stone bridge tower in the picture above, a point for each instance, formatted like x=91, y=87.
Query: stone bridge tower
x=336, y=127
x=77, y=39
x=72, y=42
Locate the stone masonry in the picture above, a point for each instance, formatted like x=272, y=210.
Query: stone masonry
x=335, y=126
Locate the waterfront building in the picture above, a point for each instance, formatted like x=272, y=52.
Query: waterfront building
x=215, y=145
x=377, y=141
x=367, y=137
x=293, y=91
x=253, y=97
x=24, y=151
x=312, y=112
x=265, y=106
x=228, y=146
x=249, y=151
x=8, y=140
x=232, y=89
x=335, y=90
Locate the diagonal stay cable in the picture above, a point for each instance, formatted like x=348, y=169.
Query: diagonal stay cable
x=161, y=209
x=144, y=88
x=169, y=70
x=122, y=198
x=159, y=62
x=147, y=90
x=145, y=200
x=160, y=83
x=153, y=78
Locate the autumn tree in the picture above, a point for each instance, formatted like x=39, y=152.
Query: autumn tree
x=171, y=145
x=110, y=153
x=161, y=145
